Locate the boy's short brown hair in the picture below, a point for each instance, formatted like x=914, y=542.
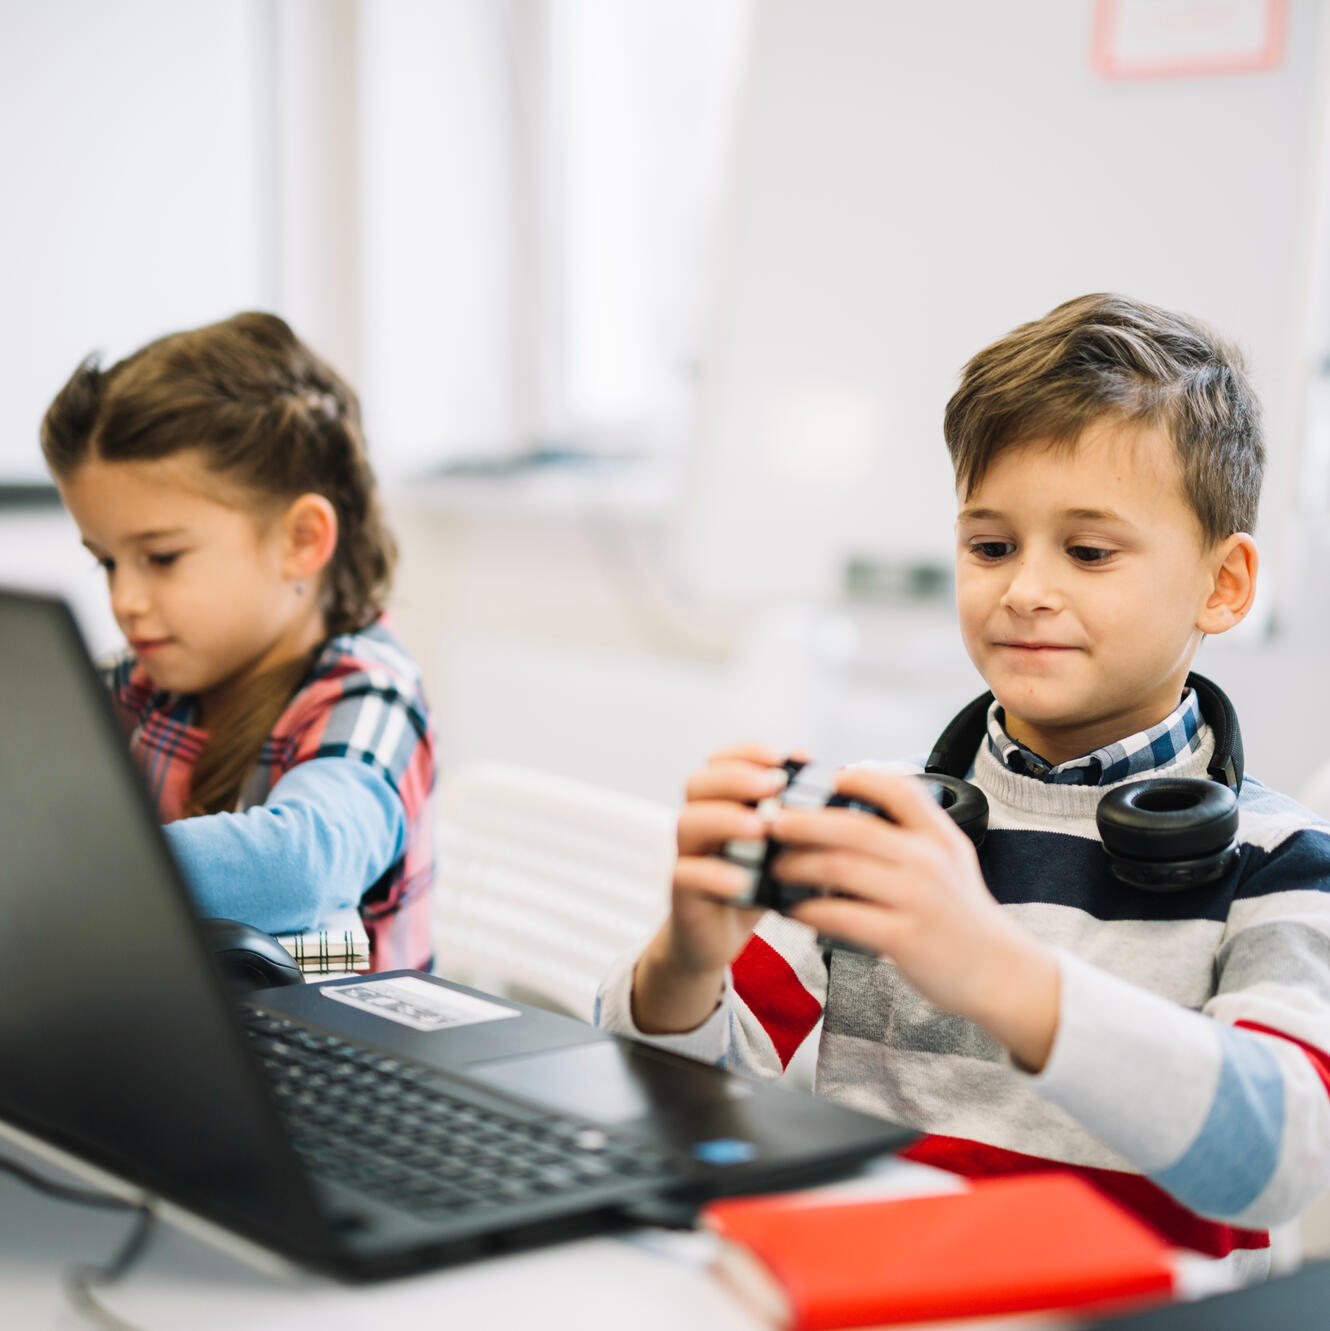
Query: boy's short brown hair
x=1107, y=356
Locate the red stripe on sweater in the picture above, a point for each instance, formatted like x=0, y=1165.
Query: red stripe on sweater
x=775, y=995
x=1320, y=1060
x=1167, y=1217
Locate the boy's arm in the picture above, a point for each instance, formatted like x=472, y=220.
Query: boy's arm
x=770, y=999
x=328, y=831
x=1227, y=1109
x=909, y=888
x=724, y=984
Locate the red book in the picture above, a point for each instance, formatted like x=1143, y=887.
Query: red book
x=1005, y=1245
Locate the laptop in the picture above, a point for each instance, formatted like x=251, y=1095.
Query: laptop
x=364, y=1127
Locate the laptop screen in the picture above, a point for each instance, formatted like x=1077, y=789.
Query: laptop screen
x=116, y=1040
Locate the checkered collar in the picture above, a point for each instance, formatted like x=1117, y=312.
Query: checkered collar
x=1148, y=749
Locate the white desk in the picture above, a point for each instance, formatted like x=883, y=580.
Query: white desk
x=183, y=1284
x=641, y=1281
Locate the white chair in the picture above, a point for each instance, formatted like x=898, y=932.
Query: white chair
x=541, y=881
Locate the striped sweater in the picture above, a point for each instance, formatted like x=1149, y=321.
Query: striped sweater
x=1189, y=1077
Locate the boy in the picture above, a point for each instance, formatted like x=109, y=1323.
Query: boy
x=1024, y=1008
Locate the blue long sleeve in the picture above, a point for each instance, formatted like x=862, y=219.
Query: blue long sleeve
x=328, y=831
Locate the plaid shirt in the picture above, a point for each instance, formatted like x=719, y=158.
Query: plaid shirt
x=361, y=700
x=1140, y=753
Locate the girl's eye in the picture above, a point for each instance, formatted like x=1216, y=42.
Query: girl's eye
x=1088, y=554
x=106, y=565
x=992, y=549
x=164, y=560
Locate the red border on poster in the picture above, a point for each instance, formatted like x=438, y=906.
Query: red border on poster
x=1109, y=64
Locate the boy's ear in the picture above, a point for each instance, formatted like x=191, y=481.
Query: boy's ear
x=1233, y=584
x=309, y=529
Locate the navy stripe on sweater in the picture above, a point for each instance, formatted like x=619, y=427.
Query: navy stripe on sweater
x=1022, y=866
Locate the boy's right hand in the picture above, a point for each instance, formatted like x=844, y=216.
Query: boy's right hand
x=678, y=979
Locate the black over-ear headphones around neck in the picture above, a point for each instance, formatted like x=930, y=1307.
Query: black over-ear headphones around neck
x=1163, y=834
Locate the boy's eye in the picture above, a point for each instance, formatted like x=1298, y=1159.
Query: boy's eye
x=106, y=565
x=992, y=549
x=164, y=560
x=1088, y=554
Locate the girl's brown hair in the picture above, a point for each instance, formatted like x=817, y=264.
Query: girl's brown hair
x=269, y=415
x=1104, y=356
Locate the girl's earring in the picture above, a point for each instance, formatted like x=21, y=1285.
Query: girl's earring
x=300, y=589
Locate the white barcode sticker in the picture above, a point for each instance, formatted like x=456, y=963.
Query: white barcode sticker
x=417, y=1003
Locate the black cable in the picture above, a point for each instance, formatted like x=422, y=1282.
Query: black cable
x=79, y=1280
x=80, y=1196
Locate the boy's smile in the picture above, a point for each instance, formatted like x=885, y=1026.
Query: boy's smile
x=1084, y=586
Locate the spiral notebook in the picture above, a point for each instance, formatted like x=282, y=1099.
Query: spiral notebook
x=339, y=946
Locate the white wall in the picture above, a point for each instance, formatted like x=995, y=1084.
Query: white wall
x=546, y=639
x=484, y=212
x=536, y=184
x=910, y=181
x=134, y=158
x=438, y=199
x=643, y=102
x=313, y=192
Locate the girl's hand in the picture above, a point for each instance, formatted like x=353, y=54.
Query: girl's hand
x=678, y=980
x=919, y=899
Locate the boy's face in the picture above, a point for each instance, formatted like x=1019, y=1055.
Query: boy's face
x=1081, y=575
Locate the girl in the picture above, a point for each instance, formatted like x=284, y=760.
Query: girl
x=220, y=478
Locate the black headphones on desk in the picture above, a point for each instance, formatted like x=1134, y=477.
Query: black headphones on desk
x=1163, y=834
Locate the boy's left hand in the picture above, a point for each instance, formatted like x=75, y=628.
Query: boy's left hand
x=921, y=901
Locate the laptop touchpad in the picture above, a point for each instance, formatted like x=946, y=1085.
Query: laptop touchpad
x=608, y=1082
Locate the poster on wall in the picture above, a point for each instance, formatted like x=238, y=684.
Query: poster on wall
x=1135, y=39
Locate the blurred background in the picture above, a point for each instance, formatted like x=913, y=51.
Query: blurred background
x=654, y=307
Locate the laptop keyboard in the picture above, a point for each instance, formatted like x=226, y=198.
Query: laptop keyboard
x=387, y=1127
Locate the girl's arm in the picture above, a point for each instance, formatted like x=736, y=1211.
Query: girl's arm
x=329, y=830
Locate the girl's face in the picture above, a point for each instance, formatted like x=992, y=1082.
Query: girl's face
x=202, y=579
